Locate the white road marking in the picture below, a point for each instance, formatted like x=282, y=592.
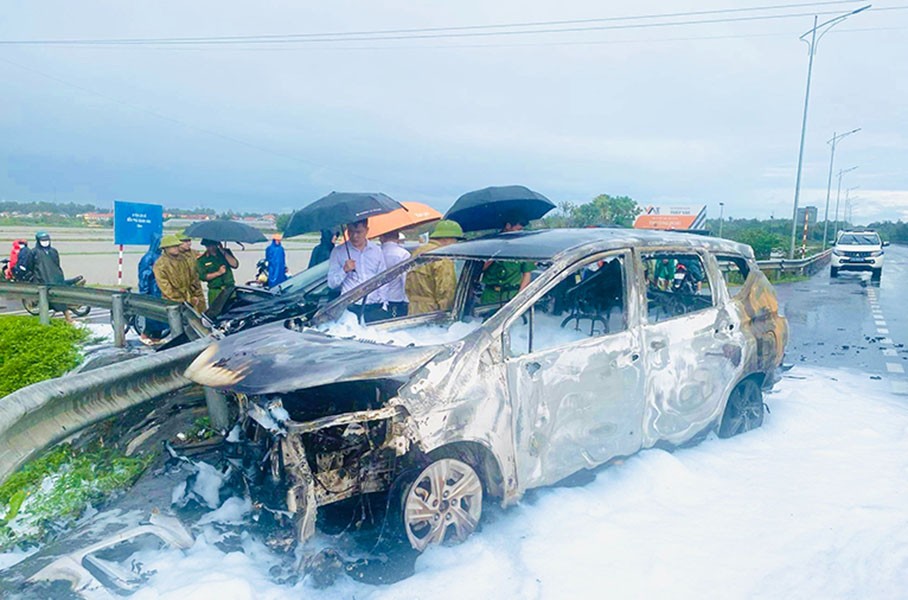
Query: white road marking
x=886, y=342
x=882, y=330
x=880, y=323
x=890, y=352
x=895, y=368
x=899, y=387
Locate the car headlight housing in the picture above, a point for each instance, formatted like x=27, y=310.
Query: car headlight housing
x=876, y=253
x=838, y=252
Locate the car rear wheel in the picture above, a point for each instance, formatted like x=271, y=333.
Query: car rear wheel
x=833, y=272
x=442, y=504
x=743, y=411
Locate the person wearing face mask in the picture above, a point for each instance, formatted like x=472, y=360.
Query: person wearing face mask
x=44, y=265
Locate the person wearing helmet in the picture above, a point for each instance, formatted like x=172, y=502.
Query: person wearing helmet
x=44, y=265
x=215, y=267
x=430, y=287
x=176, y=276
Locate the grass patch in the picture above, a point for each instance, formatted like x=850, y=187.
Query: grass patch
x=31, y=352
x=52, y=491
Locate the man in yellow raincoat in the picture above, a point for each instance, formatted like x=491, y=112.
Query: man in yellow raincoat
x=177, y=276
x=431, y=287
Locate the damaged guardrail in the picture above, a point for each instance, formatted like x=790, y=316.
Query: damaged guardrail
x=123, y=304
x=34, y=417
x=777, y=267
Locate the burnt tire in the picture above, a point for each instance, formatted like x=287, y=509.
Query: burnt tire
x=442, y=504
x=743, y=411
x=833, y=272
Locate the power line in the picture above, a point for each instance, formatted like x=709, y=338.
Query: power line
x=458, y=31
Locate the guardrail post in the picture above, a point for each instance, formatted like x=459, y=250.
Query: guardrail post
x=218, y=413
x=118, y=320
x=43, y=305
x=174, y=320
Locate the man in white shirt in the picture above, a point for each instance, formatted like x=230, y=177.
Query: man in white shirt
x=395, y=295
x=354, y=262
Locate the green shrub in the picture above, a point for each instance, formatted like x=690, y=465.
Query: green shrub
x=54, y=489
x=31, y=352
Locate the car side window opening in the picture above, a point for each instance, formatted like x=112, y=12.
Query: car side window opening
x=676, y=284
x=734, y=270
x=588, y=301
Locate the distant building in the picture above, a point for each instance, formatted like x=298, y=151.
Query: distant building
x=811, y=212
x=681, y=218
x=97, y=217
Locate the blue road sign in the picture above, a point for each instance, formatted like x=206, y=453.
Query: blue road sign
x=135, y=224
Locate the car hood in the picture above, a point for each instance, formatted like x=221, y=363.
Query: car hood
x=273, y=359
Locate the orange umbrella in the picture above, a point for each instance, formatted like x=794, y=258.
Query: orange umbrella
x=417, y=213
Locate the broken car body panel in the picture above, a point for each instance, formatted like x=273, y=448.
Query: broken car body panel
x=524, y=400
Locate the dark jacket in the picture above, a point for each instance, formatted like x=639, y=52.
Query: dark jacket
x=322, y=252
x=44, y=263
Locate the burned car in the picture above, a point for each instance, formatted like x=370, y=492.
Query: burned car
x=622, y=340
x=242, y=306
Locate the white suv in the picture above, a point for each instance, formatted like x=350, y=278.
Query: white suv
x=858, y=250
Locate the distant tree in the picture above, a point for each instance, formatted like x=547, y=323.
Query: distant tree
x=601, y=210
x=281, y=221
x=760, y=240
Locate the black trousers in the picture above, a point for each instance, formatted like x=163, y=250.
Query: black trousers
x=398, y=309
x=369, y=312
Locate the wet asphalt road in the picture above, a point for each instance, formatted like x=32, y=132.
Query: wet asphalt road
x=850, y=322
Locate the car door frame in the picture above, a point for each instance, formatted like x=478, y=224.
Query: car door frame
x=534, y=465
x=689, y=359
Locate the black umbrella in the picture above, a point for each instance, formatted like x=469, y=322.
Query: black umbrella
x=339, y=208
x=221, y=230
x=492, y=207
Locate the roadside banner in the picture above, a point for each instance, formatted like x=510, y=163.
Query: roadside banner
x=134, y=225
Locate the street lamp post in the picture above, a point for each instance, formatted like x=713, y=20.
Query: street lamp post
x=812, y=44
x=832, y=142
x=849, y=214
x=838, y=192
x=721, y=216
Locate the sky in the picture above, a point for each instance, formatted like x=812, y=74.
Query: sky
x=668, y=114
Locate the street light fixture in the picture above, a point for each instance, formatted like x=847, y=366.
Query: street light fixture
x=812, y=45
x=721, y=216
x=832, y=142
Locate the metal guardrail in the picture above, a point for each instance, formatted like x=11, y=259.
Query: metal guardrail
x=775, y=268
x=123, y=304
x=47, y=412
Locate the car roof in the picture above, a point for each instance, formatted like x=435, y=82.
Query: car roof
x=545, y=244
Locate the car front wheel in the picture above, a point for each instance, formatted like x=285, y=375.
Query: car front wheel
x=833, y=272
x=744, y=410
x=876, y=274
x=443, y=504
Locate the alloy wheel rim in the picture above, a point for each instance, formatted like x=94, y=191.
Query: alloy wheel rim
x=443, y=504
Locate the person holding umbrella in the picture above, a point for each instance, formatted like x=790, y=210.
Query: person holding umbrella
x=503, y=279
x=394, y=254
x=215, y=267
x=355, y=261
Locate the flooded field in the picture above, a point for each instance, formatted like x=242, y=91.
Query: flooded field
x=90, y=252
